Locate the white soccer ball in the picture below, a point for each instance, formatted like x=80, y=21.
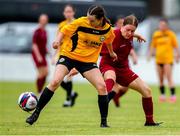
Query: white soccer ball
x=27, y=101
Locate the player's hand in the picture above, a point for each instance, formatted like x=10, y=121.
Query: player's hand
x=141, y=39
x=114, y=56
x=39, y=59
x=55, y=44
x=177, y=58
x=135, y=61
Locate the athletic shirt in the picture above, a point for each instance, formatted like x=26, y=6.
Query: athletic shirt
x=40, y=38
x=121, y=47
x=164, y=43
x=86, y=41
x=65, y=38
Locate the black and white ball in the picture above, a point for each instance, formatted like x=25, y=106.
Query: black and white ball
x=27, y=101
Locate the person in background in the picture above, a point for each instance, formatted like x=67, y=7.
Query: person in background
x=164, y=43
x=67, y=84
x=39, y=51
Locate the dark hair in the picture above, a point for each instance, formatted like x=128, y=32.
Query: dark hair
x=130, y=20
x=164, y=20
x=70, y=5
x=99, y=13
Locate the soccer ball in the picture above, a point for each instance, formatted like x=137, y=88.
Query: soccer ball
x=27, y=101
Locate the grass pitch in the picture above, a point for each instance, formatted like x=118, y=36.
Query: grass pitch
x=83, y=118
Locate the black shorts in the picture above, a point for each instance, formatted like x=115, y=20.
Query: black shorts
x=162, y=65
x=80, y=66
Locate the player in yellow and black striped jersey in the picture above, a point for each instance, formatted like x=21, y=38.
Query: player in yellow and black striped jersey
x=67, y=84
x=87, y=35
x=165, y=43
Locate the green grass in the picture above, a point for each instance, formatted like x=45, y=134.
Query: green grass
x=83, y=119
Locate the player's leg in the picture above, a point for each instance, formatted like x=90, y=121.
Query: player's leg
x=168, y=74
x=41, y=79
x=71, y=96
x=147, y=103
x=160, y=73
x=121, y=90
x=60, y=72
x=110, y=79
x=95, y=78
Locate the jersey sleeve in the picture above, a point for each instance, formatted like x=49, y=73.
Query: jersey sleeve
x=71, y=28
x=35, y=37
x=174, y=40
x=110, y=37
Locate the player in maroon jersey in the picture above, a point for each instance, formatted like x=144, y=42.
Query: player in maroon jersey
x=120, y=89
x=39, y=51
x=120, y=72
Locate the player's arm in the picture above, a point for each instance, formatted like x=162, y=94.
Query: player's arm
x=176, y=49
x=134, y=56
x=111, y=52
x=58, y=40
x=151, y=48
x=139, y=38
x=108, y=43
x=67, y=30
x=35, y=47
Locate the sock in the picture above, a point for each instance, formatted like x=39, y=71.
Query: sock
x=172, y=89
x=68, y=87
x=162, y=90
x=148, y=109
x=44, y=99
x=103, y=107
x=119, y=94
x=109, y=84
x=40, y=83
x=111, y=95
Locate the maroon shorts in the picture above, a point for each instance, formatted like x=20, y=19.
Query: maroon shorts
x=124, y=76
x=39, y=64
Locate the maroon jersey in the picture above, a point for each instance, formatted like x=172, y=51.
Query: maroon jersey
x=40, y=38
x=121, y=47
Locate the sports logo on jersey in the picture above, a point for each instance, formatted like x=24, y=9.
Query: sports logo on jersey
x=102, y=38
x=62, y=60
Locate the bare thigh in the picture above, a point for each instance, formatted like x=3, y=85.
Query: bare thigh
x=160, y=73
x=140, y=86
x=60, y=72
x=94, y=76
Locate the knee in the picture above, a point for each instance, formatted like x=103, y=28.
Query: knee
x=55, y=83
x=101, y=87
x=147, y=92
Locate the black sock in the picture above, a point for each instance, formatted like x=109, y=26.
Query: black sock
x=68, y=87
x=111, y=95
x=103, y=107
x=44, y=99
x=162, y=90
x=172, y=89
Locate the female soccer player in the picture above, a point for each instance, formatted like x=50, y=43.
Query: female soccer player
x=39, y=52
x=66, y=84
x=119, y=71
x=123, y=90
x=81, y=52
x=165, y=43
